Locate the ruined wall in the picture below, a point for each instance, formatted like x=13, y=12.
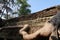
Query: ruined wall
x=44, y=13
x=37, y=20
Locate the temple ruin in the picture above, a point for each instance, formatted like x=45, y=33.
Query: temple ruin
x=10, y=30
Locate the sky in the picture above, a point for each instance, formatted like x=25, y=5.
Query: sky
x=38, y=5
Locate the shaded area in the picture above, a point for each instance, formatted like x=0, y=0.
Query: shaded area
x=11, y=33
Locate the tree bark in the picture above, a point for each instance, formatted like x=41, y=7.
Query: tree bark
x=45, y=31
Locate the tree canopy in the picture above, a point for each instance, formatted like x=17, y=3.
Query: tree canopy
x=7, y=5
x=24, y=7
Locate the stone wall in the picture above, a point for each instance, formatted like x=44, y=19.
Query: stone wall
x=44, y=13
x=35, y=20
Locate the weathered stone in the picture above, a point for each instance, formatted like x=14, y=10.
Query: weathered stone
x=35, y=21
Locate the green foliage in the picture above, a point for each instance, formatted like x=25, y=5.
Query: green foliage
x=24, y=7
